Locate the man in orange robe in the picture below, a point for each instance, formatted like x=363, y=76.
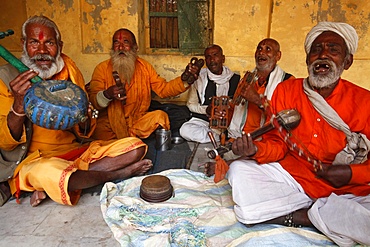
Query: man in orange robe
x=51, y=162
x=123, y=109
x=249, y=116
x=317, y=175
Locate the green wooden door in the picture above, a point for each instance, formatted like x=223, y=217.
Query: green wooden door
x=194, y=27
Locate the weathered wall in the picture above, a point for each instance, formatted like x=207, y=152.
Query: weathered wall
x=288, y=22
x=87, y=27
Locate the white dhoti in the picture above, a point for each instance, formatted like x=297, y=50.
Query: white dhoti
x=196, y=130
x=265, y=192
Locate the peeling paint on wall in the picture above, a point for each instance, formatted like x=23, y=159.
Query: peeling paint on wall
x=170, y=69
x=132, y=7
x=68, y=4
x=97, y=46
x=96, y=13
x=100, y=18
x=87, y=27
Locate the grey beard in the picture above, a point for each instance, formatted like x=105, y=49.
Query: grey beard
x=267, y=67
x=324, y=81
x=124, y=65
x=45, y=72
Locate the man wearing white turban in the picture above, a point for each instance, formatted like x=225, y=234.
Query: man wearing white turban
x=317, y=175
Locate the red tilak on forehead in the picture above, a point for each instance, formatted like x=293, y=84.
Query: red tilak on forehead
x=120, y=36
x=41, y=35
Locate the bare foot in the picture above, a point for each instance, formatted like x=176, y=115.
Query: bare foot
x=209, y=168
x=137, y=169
x=37, y=197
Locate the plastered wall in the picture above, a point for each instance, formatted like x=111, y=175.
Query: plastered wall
x=238, y=25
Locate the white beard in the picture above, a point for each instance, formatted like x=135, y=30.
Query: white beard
x=124, y=65
x=324, y=81
x=44, y=71
x=269, y=66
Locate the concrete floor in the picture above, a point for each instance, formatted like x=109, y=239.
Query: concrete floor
x=52, y=224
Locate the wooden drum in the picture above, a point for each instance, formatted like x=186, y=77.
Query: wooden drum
x=156, y=188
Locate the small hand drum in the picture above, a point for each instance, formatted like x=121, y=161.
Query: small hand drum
x=156, y=188
x=56, y=104
x=51, y=104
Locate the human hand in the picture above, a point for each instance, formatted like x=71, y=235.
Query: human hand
x=19, y=86
x=190, y=75
x=244, y=146
x=115, y=92
x=91, y=113
x=337, y=175
x=217, y=114
x=250, y=94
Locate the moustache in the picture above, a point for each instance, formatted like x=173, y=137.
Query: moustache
x=42, y=57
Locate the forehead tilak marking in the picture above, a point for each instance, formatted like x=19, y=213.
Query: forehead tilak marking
x=41, y=35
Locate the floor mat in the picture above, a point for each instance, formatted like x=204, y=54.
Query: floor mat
x=199, y=214
x=175, y=158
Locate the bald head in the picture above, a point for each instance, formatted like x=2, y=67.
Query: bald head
x=267, y=55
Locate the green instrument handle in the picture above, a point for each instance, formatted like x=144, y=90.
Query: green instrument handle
x=11, y=59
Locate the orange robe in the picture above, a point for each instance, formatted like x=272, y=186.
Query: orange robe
x=322, y=140
x=42, y=169
x=254, y=115
x=133, y=118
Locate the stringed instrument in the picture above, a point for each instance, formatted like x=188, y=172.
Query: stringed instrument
x=287, y=119
x=249, y=78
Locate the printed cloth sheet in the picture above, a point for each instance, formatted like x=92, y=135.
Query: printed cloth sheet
x=199, y=214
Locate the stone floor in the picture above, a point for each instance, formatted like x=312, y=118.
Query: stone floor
x=51, y=224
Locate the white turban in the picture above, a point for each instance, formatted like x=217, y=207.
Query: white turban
x=346, y=31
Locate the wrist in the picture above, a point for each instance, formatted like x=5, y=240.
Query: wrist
x=186, y=84
x=106, y=95
x=18, y=114
x=102, y=100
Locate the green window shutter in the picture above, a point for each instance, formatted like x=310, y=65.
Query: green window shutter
x=194, y=31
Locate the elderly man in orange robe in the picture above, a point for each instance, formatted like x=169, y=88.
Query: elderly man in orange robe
x=50, y=162
x=123, y=106
x=250, y=116
x=317, y=175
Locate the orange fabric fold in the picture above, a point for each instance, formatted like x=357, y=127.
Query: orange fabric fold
x=221, y=169
x=73, y=154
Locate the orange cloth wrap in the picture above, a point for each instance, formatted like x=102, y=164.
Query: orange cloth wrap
x=133, y=118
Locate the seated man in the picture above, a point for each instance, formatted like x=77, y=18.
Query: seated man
x=318, y=174
x=52, y=162
x=215, y=80
x=250, y=116
x=123, y=106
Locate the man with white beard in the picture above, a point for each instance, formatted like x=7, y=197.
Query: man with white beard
x=123, y=100
x=317, y=175
x=51, y=162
